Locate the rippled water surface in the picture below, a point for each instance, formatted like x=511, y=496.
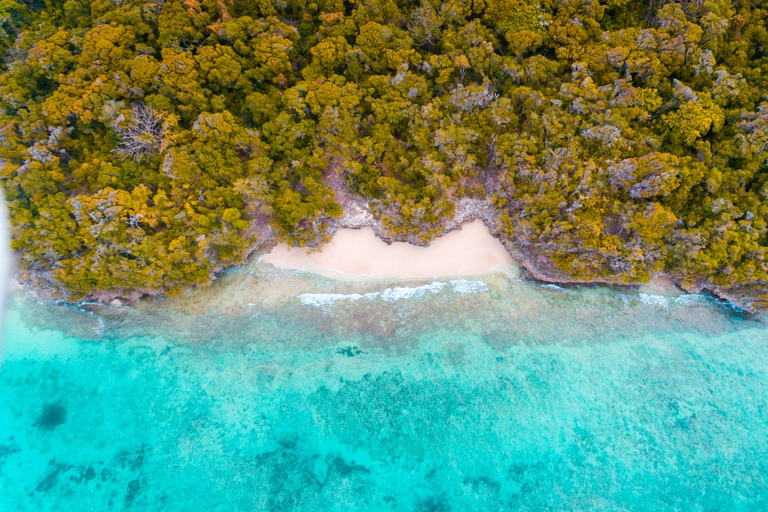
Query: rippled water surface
x=273, y=391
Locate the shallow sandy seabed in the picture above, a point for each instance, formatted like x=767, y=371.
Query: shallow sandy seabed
x=357, y=254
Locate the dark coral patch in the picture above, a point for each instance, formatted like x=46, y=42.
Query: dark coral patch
x=52, y=416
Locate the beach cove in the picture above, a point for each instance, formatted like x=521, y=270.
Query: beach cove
x=357, y=254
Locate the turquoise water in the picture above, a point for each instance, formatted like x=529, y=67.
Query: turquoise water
x=496, y=394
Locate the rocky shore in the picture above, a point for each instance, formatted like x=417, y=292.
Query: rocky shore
x=357, y=214
x=749, y=299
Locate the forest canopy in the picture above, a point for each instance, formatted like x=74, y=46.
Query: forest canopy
x=144, y=141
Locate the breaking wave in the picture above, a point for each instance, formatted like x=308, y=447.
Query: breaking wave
x=688, y=299
x=464, y=286
x=394, y=294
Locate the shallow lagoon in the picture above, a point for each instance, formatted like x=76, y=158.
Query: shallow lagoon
x=491, y=394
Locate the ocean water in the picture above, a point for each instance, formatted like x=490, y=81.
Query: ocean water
x=274, y=391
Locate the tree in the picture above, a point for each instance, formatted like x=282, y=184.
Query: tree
x=145, y=132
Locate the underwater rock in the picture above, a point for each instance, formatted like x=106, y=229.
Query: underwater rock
x=52, y=416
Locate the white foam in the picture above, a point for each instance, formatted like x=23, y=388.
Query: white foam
x=654, y=300
x=465, y=286
x=686, y=299
x=692, y=299
x=409, y=292
x=326, y=299
x=461, y=286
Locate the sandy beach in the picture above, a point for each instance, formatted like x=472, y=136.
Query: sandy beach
x=357, y=254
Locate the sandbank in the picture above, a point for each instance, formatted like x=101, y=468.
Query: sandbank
x=357, y=254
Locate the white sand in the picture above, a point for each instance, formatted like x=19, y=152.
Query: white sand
x=357, y=254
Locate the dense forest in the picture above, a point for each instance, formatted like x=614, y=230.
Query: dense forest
x=143, y=141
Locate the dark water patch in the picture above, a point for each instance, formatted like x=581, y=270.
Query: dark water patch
x=346, y=468
x=482, y=484
x=51, y=479
x=6, y=450
x=288, y=478
x=434, y=504
x=349, y=351
x=51, y=417
x=81, y=474
x=131, y=459
x=89, y=473
x=133, y=490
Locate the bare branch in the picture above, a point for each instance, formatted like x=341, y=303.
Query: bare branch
x=142, y=136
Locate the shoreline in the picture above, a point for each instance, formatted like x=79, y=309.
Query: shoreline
x=357, y=216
